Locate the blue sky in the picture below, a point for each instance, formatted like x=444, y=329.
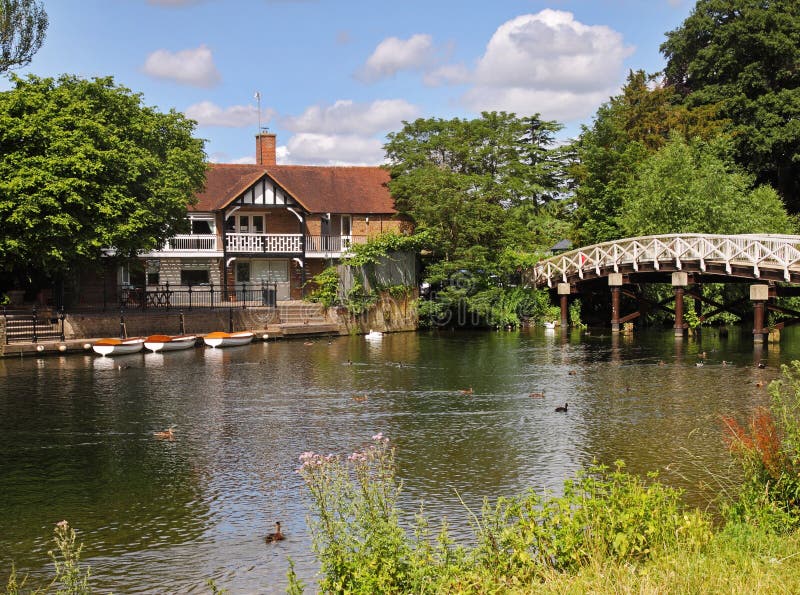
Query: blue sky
x=335, y=76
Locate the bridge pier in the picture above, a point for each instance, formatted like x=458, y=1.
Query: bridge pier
x=679, y=282
x=759, y=294
x=615, y=283
x=564, y=289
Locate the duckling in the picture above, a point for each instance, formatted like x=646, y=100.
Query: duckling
x=466, y=391
x=563, y=409
x=537, y=395
x=276, y=536
x=168, y=434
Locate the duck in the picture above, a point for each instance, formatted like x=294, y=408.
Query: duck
x=168, y=434
x=572, y=373
x=563, y=409
x=537, y=395
x=360, y=399
x=762, y=365
x=374, y=334
x=466, y=391
x=661, y=362
x=759, y=384
x=308, y=342
x=276, y=536
x=699, y=364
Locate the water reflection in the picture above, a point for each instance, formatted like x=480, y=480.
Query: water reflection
x=156, y=515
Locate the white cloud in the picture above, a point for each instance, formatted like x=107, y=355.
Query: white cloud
x=348, y=117
x=189, y=67
x=449, y=74
x=393, y=55
x=545, y=62
x=208, y=113
x=330, y=149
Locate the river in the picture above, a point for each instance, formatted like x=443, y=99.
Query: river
x=157, y=516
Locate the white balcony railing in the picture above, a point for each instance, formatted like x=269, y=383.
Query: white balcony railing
x=332, y=244
x=283, y=243
x=191, y=243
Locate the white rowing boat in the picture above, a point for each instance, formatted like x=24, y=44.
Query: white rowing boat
x=118, y=346
x=221, y=339
x=169, y=342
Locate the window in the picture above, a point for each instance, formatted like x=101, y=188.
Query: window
x=194, y=276
x=201, y=226
x=258, y=224
x=244, y=224
x=346, y=225
x=242, y=271
x=153, y=278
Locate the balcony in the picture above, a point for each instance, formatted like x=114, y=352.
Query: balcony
x=275, y=243
x=258, y=243
x=331, y=246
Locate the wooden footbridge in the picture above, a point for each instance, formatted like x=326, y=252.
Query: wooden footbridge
x=769, y=263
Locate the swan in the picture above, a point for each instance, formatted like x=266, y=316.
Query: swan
x=563, y=409
x=374, y=335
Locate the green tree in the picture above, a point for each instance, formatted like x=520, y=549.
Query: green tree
x=84, y=167
x=744, y=55
x=626, y=130
x=458, y=178
x=689, y=188
x=23, y=24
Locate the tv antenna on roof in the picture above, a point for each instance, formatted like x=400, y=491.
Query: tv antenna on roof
x=257, y=97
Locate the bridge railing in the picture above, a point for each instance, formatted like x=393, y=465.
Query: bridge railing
x=780, y=252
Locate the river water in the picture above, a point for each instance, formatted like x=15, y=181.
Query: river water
x=157, y=516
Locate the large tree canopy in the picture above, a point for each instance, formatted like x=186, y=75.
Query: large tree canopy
x=23, y=24
x=469, y=182
x=689, y=188
x=744, y=55
x=626, y=130
x=85, y=166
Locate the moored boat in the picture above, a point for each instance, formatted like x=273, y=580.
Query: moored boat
x=118, y=346
x=222, y=339
x=169, y=342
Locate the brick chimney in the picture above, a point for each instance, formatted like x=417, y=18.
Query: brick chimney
x=265, y=149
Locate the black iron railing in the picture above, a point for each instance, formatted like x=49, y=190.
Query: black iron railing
x=32, y=326
x=245, y=295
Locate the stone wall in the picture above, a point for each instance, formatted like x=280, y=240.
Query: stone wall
x=106, y=324
x=389, y=314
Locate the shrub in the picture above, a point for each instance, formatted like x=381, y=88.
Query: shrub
x=326, y=290
x=603, y=515
x=768, y=450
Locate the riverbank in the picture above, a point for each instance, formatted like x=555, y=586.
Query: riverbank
x=289, y=320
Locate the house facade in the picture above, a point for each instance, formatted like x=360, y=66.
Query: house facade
x=264, y=223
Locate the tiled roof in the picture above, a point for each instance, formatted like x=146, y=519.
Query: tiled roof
x=334, y=189
x=224, y=182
